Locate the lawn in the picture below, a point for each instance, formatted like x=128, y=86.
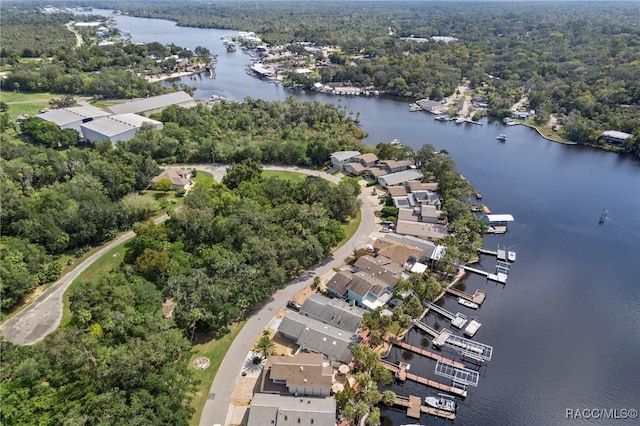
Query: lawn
x=350, y=228
x=284, y=175
x=25, y=103
x=215, y=350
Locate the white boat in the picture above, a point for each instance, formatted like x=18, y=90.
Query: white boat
x=511, y=256
x=501, y=137
x=459, y=120
x=471, y=329
x=440, y=403
x=467, y=303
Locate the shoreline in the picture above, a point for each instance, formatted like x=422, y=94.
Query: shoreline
x=546, y=137
x=172, y=76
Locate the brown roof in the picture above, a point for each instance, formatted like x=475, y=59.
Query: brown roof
x=176, y=176
x=362, y=282
x=305, y=370
x=408, y=214
x=414, y=185
x=385, y=272
x=354, y=168
x=396, y=251
x=368, y=157
x=395, y=164
x=340, y=282
x=377, y=172
x=430, y=212
x=397, y=191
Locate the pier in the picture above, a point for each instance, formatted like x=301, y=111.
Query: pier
x=394, y=368
x=500, y=254
x=424, y=352
x=475, y=351
x=499, y=277
x=458, y=320
x=477, y=297
x=414, y=407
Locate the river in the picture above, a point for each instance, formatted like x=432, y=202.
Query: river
x=565, y=328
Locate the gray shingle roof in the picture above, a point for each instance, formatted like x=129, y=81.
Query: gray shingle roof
x=336, y=312
x=400, y=177
x=281, y=410
x=319, y=337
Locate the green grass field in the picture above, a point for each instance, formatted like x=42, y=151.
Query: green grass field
x=284, y=175
x=25, y=103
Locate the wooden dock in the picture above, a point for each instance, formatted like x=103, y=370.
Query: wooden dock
x=414, y=407
x=394, y=368
x=501, y=278
x=500, y=254
x=477, y=297
x=425, y=352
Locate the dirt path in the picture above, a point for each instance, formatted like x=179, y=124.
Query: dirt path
x=79, y=40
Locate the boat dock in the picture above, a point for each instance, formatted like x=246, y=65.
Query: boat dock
x=499, y=277
x=475, y=351
x=424, y=352
x=424, y=381
x=458, y=320
x=414, y=407
x=500, y=254
x=477, y=297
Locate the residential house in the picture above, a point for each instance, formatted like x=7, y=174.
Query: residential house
x=281, y=410
x=316, y=336
x=434, y=107
x=429, y=231
x=375, y=172
x=415, y=185
x=380, y=267
x=397, y=191
x=337, y=286
x=180, y=178
x=368, y=159
x=368, y=291
x=336, y=312
x=304, y=374
x=394, y=166
x=354, y=168
x=407, y=249
x=340, y=158
x=400, y=178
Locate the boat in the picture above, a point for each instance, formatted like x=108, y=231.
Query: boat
x=603, y=217
x=478, y=196
x=440, y=403
x=443, y=117
x=511, y=256
x=471, y=329
x=501, y=137
x=459, y=120
x=231, y=47
x=468, y=303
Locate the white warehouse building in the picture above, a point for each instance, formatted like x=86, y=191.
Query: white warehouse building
x=116, y=128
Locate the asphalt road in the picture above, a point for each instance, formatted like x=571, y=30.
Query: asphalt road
x=216, y=407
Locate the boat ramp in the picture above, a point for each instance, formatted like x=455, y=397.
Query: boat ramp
x=415, y=408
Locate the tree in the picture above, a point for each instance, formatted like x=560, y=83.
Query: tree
x=265, y=345
x=164, y=185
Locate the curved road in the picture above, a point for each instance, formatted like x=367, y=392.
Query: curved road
x=43, y=316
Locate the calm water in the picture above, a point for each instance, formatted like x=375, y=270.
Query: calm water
x=566, y=326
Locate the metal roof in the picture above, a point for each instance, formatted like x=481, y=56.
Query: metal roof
x=499, y=217
x=152, y=103
x=116, y=124
x=400, y=177
x=616, y=134
x=64, y=116
x=344, y=155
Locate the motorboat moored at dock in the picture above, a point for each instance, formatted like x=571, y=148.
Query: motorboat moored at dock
x=440, y=403
x=468, y=303
x=511, y=256
x=471, y=329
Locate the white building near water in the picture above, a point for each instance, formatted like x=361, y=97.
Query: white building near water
x=72, y=117
x=116, y=128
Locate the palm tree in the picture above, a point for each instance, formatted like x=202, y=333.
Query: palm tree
x=265, y=345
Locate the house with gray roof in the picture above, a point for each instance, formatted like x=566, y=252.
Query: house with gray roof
x=336, y=312
x=384, y=269
x=400, y=178
x=116, y=128
x=147, y=106
x=285, y=410
x=72, y=117
x=340, y=158
x=368, y=291
x=316, y=336
x=429, y=231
